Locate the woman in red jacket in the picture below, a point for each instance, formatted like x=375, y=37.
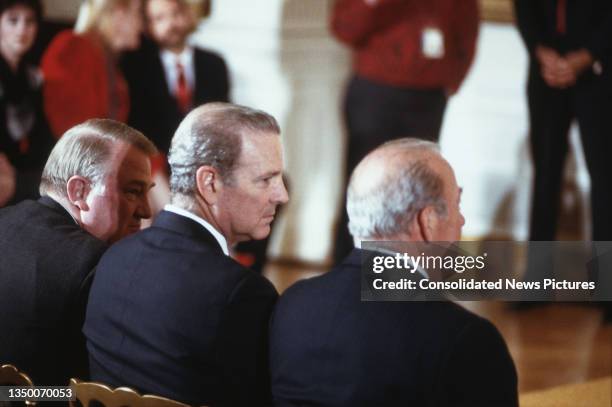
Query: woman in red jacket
x=82, y=77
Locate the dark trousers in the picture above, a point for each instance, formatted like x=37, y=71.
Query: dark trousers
x=376, y=113
x=551, y=113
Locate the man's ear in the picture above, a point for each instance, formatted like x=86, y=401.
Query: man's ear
x=428, y=220
x=208, y=183
x=78, y=189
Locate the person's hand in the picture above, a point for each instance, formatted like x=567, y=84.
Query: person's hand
x=7, y=180
x=579, y=61
x=555, y=69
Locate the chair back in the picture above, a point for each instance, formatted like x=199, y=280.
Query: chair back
x=87, y=392
x=11, y=376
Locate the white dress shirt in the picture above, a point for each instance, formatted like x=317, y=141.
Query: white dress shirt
x=218, y=236
x=169, y=60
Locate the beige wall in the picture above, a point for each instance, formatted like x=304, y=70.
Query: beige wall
x=61, y=9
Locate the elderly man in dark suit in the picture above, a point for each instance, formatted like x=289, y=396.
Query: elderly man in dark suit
x=167, y=76
x=170, y=312
x=327, y=348
x=94, y=191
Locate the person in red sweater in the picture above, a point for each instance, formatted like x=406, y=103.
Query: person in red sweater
x=82, y=78
x=409, y=56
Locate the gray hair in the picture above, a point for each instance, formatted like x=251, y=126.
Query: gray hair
x=85, y=150
x=211, y=135
x=388, y=207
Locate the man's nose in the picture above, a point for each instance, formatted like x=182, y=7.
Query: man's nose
x=144, y=209
x=281, y=195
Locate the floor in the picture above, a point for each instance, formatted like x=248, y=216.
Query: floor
x=551, y=345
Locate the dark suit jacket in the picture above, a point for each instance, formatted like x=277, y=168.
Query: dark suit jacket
x=588, y=25
x=46, y=262
x=327, y=348
x=153, y=110
x=170, y=314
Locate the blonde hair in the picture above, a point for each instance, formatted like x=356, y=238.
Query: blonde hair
x=93, y=13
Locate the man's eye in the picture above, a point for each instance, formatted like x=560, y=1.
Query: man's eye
x=133, y=192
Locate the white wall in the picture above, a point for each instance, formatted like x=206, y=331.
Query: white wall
x=484, y=136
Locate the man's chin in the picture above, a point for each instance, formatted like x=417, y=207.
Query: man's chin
x=262, y=233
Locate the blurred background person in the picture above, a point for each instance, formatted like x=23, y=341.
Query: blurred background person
x=24, y=137
x=570, y=49
x=409, y=57
x=82, y=76
x=167, y=77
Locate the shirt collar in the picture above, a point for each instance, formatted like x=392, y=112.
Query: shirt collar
x=170, y=58
x=218, y=236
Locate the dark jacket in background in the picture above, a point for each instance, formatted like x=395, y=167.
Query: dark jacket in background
x=588, y=25
x=328, y=348
x=170, y=314
x=46, y=263
x=25, y=137
x=154, y=110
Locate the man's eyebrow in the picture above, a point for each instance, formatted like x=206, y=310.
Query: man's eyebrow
x=143, y=184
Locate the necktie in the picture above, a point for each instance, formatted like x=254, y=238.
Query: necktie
x=183, y=93
x=561, y=16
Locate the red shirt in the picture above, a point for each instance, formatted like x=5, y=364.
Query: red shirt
x=81, y=82
x=387, y=40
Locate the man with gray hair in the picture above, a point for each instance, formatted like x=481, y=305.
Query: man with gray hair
x=170, y=313
x=94, y=192
x=328, y=348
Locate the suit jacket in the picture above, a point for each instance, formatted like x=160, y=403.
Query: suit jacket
x=46, y=264
x=170, y=314
x=154, y=110
x=588, y=24
x=327, y=348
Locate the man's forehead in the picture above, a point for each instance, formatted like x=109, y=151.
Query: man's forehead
x=131, y=162
x=254, y=147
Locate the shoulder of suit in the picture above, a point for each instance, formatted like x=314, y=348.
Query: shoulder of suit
x=53, y=235
x=208, y=55
x=252, y=285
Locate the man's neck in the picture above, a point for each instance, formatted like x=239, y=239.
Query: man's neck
x=67, y=206
x=199, y=216
x=177, y=50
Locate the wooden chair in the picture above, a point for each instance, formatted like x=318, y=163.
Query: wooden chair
x=11, y=376
x=86, y=392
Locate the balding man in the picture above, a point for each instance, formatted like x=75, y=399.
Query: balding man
x=327, y=348
x=170, y=313
x=94, y=192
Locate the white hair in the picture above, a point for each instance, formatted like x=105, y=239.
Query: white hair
x=389, y=205
x=85, y=150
